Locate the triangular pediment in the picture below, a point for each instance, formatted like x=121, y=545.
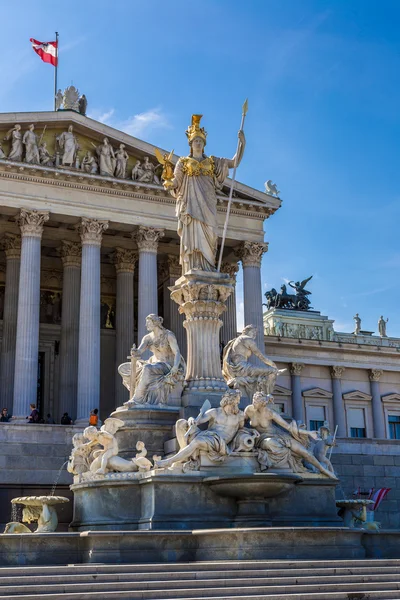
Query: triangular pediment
x=282, y=391
x=357, y=395
x=91, y=133
x=391, y=398
x=317, y=393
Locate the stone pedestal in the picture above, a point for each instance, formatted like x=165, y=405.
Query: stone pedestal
x=201, y=297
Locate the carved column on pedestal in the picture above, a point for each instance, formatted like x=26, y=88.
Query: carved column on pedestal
x=250, y=253
x=377, y=408
x=338, y=405
x=201, y=298
x=125, y=262
x=173, y=319
x=297, y=398
x=147, y=239
x=229, y=327
x=71, y=253
x=91, y=232
x=31, y=223
x=12, y=246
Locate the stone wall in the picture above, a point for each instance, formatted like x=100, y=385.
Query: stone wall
x=370, y=464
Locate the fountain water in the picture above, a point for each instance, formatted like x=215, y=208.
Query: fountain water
x=53, y=489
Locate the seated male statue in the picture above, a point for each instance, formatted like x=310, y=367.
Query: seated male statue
x=241, y=374
x=223, y=424
x=281, y=444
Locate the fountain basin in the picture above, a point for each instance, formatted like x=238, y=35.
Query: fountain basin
x=353, y=510
x=40, y=509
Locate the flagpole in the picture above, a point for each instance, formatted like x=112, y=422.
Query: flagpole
x=228, y=210
x=55, y=74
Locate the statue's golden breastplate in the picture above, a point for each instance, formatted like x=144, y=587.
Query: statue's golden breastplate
x=194, y=168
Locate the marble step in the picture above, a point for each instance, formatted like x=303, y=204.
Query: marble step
x=219, y=566
x=265, y=574
x=181, y=589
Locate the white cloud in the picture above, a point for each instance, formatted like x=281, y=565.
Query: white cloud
x=138, y=125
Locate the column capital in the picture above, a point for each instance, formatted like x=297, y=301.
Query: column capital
x=124, y=260
x=296, y=368
x=31, y=222
x=375, y=374
x=175, y=269
x=337, y=371
x=71, y=254
x=91, y=230
x=147, y=238
x=250, y=253
x=231, y=268
x=11, y=244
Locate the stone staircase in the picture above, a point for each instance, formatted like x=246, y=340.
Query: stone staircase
x=230, y=580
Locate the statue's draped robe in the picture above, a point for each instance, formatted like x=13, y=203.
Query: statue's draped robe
x=106, y=160
x=197, y=183
x=68, y=145
x=16, y=146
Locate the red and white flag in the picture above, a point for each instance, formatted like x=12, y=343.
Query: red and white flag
x=48, y=51
x=378, y=497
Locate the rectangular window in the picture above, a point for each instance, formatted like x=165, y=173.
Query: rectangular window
x=280, y=408
x=316, y=416
x=356, y=422
x=394, y=427
x=357, y=432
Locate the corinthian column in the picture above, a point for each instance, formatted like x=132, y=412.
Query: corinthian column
x=229, y=326
x=12, y=247
x=377, y=409
x=147, y=239
x=71, y=254
x=27, y=341
x=250, y=253
x=297, y=398
x=91, y=232
x=125, y=262
x=338, y=406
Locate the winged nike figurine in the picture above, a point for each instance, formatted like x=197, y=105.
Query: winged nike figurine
x=168, y=167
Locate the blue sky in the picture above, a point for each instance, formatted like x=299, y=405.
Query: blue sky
x=322, y=78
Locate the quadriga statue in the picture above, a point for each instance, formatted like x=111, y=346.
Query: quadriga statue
x=240, y=374
x=224, y=423
x=281, y=444
x=151, y=381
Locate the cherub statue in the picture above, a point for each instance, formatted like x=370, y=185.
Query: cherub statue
x=281, y=444
x=321, y=446
x=239, y=373
x=155, y=378
x=168, y=167
x=223, y=424
x=271, y=188
x=80, y=458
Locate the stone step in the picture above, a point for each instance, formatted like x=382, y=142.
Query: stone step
x=178, y=590
x=253, y=565
x=380, y=573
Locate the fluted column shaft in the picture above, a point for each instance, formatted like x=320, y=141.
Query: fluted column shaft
x=69, y=344
x=250, y=254
x=91, y=232
x=377, y=408
x=147, y=239
x=12, y=246
x=229, y=318
x=173, y=319
x=125, y=261
x=338, y=405
x=297, y=398
x=27, y=340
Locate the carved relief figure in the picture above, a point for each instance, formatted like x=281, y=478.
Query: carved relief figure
x=239, y=373
x=156, y=377
x=89, y=163
x=137, y=171
x=2, y=153
x=121, y=158
x=16, y=143
x=31, y=146
x=148, y=172
x=44, y=156
x=69, y=146
x=223, y=424
x=197, y=178
x=106, y=156
x=280, y=444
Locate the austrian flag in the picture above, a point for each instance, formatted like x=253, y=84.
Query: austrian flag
x=48, y=51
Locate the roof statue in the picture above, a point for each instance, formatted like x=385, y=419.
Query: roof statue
x=282, y=299
x=271, y=188
x=71, y=98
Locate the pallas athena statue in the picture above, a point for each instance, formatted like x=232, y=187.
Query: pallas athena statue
x=196, y=180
